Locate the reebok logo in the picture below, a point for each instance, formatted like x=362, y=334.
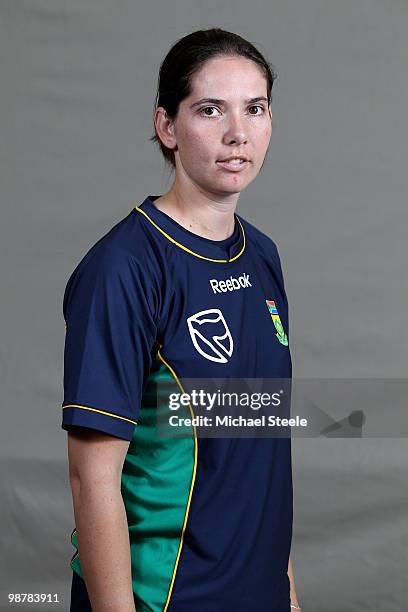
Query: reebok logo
x=230, y=284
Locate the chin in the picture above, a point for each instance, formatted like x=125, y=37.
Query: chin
x=228, y=189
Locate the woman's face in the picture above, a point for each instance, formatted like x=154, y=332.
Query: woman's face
x=237, y=121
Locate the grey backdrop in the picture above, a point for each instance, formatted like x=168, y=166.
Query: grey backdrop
x=78, y=81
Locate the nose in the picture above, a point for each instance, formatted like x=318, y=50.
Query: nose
x=236, y=131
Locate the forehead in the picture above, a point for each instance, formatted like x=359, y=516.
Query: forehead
x=235, y=76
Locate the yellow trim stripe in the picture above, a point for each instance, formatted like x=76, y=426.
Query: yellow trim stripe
x=191, y=487
x=189, y=250
x=76, y=553
x=74, y=556
x=243, y=246
x=101, y=412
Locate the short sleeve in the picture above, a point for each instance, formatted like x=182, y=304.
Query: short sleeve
x=284, y=296
x=276, y=256
x=109, y=310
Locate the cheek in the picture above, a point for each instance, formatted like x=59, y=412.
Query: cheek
x=197, y=146
x=267, y=132
x=264, y=137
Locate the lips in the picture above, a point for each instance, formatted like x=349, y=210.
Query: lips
x=232, y=157
x=233, y=166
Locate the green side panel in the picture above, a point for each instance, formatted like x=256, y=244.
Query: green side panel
x=75, y=563
x=156, y=480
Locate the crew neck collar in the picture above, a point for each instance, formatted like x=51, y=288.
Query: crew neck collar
x=222, y=251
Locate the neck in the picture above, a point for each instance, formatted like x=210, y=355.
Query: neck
x=198, y=212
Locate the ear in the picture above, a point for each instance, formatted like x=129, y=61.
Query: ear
x=165, y=128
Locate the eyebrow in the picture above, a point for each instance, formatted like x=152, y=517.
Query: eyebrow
x=218, y=101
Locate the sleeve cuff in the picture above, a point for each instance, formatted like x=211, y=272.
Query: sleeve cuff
x=78, y=415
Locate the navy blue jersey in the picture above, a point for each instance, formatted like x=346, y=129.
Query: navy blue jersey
x=151, y=304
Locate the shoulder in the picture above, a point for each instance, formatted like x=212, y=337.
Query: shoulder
x=127, y=243
x=264, y=246
x=124, y=257
x=257, y=239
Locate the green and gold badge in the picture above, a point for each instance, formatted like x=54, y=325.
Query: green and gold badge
x=281, y=336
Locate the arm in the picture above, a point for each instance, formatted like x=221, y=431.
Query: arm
x=293, y=596
x=95, y=466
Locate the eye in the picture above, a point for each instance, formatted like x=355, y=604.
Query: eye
x=204, y=109
x=257, y=106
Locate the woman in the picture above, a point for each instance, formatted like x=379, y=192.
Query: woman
x=182, y=287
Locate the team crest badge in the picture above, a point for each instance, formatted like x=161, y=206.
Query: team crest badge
x=281, y=336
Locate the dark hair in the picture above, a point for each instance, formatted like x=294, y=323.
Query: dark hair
x=186, y=57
